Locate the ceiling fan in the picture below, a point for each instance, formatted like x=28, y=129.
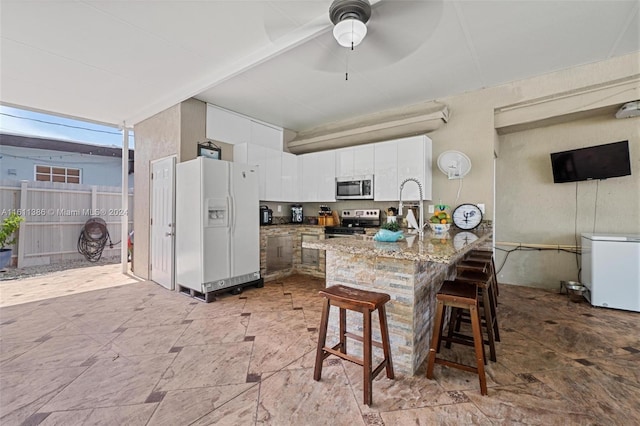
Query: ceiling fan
x=380, y=34
x=384, y=33
x=349, y=18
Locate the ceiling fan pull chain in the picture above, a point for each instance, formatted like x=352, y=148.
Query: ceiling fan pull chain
x=346, y=74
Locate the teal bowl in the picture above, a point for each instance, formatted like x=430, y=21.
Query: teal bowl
x=384, y=235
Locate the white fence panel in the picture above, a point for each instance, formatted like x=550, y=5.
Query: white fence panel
x=55, y=214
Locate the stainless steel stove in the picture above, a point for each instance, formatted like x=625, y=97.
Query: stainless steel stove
x=354, y=223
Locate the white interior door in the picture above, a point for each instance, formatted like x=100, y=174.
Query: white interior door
x=163, y=221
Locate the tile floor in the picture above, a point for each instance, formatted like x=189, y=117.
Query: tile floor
x=122, y=351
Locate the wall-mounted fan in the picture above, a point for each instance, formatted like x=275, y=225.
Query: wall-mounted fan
x=454, y=164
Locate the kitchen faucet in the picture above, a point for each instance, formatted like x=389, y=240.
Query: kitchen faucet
x=420, y=206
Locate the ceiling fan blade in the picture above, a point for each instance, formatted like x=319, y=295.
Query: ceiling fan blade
x=284, y=18
x=329, y=58
x=396, y=30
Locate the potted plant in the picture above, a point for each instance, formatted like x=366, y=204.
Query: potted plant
x=10, y=225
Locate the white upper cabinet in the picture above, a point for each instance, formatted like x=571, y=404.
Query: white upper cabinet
x=355, y=161
x=267, y=136
x=385, y=185
x=278, y=171
x=311, y=177
x=318, y=172
x=256, y=156
x=398, y=160
x=226, y=126
x=233, y=128
x=273, y=175
x=414, y=161
x=291, y=184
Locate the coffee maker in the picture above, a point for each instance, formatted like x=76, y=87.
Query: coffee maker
x=296, y=213
x=266, y=216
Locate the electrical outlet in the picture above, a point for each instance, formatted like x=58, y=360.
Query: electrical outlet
x=431, y=208
x=279, y=209
x=481, y=207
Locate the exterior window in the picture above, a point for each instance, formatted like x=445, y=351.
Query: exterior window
x=57, y=174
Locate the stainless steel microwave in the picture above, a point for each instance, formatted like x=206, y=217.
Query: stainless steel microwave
x=354, y=188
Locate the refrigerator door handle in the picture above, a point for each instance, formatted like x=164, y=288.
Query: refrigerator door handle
x=232, y=230
x=230, y=211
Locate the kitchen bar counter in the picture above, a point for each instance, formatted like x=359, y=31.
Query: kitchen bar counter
x=411, y=272
x=439, y=248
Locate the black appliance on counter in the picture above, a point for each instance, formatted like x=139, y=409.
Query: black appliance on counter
x=296, y=213
x=266, y=215
x=354, y=223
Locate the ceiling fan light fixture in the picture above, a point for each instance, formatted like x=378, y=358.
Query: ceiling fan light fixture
x=350, y=19
x=349, y=32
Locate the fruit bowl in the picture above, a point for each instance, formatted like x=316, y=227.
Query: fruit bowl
x=439, y=228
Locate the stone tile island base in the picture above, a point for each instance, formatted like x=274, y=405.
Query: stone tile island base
x=412, y=285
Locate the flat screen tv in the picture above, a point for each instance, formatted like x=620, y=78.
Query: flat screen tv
x=595, y=162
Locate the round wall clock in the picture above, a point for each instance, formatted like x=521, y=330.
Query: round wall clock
x=467, y=216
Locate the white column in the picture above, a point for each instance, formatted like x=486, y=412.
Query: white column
x=124, y=219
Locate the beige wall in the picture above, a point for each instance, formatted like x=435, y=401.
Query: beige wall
x=532, y=209
x=471, y=127
x=192, y=128
x=156, y=137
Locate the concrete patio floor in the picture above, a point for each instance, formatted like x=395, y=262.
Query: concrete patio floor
x=93, y=346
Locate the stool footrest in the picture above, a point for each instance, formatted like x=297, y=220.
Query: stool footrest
x=361, y=339
x=456, y=365
x=334, y=351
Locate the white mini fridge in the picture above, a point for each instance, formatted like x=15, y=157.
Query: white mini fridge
x=611, y=270
x=217, y=229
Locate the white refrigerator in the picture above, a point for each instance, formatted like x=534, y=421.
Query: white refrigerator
x=217, y=226
x=611, y=270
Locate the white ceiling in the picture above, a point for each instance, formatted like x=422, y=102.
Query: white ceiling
x=123, y=61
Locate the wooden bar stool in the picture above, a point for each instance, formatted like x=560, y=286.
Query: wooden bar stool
x=481, y=264
x=459, y=295
x=487, y=256
x=361, y=301
x=489, y=319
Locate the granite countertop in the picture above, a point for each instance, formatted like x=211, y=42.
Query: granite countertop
x=291, y=225
x=439, y=248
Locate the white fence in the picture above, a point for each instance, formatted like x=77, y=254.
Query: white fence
x=55, y=214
